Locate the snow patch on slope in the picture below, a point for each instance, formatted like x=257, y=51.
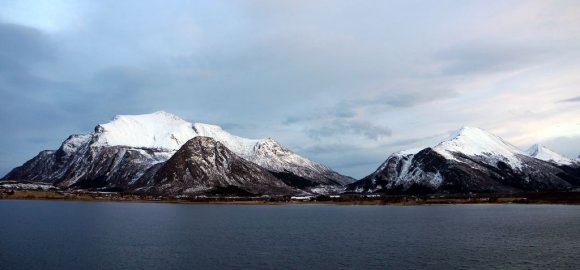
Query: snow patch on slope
x=404, y=174
x=74, y=142
x=404, y=154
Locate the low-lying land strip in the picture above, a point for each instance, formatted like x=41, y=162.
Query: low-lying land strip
x=347, y=199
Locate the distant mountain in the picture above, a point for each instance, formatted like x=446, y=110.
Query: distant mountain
x=117, y=154
x=472, y=160
x=541, y=152
x=570, y=166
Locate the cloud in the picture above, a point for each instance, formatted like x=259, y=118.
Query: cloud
x=402, y=144
x=21, y=49
x=24, y=44
x=483, y=58
x=339, y=128
x=574, y=99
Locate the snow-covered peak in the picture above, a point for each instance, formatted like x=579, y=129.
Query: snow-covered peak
x=167, y=131
x=541, y=152
x=473, y=141
x=156, y=130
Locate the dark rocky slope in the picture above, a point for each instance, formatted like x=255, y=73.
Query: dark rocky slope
x=204, y=165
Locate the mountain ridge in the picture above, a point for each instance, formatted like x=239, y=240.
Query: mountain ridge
x=472, y=160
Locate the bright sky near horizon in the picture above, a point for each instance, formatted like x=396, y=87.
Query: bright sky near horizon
x=344, y=83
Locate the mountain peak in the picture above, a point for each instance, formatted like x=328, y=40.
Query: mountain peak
x=155, y=130
x=467, y=131
x=474, y=141
x=164, y=130
x=542, y=152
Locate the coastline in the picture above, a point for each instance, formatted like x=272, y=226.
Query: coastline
x=565, y=198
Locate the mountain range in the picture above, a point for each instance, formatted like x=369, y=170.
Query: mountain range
x=133, y=151
x=160, y=153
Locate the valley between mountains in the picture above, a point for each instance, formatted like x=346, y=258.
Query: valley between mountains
x=162, y=154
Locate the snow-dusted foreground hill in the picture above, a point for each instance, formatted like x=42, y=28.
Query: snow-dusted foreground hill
x=472, y=160
x=117, y=154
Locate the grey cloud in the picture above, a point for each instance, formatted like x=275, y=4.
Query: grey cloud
x=481, y=57
x=410, y=97
x=389, y=99
x=355, y=127
x=124, y=77
x=331, y=148
x=574, y=99
x=342, y=110
x=340, y=120
x=351, y=159
x=24, y=43
x=412, y=141
x=297, y=119
x=20, y=49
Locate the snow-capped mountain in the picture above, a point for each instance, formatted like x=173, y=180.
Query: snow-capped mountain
x=165, y=131
x=472, y=160
x=473, y=141
x=203, y=165
x=541, y=152
x=118, y=153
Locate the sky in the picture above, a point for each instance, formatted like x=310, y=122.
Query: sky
x=343, y=83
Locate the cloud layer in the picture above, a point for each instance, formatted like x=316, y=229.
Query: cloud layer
x=340, y=82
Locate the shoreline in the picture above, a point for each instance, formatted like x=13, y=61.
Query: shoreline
x=562, y=198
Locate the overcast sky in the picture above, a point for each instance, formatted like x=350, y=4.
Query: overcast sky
x=344, y=83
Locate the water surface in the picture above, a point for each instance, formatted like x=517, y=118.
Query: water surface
x=113, y=235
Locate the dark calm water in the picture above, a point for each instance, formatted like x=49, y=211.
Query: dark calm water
x=109, y=235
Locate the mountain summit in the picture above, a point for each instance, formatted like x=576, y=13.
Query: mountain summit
x=473, y=141
x=159, y=130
